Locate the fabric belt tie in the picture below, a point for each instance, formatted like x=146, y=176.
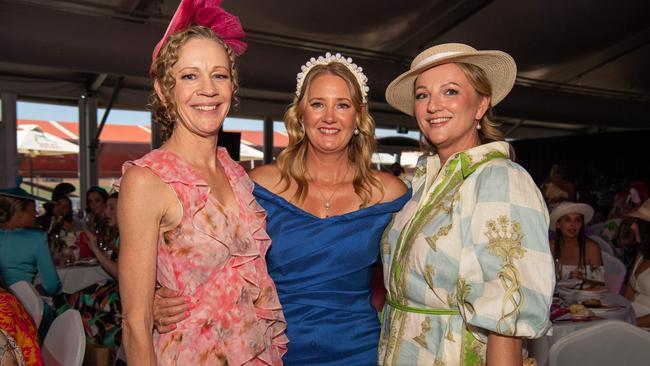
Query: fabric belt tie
x=469, y=356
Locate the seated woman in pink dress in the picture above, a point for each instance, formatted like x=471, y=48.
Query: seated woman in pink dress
x=188, y=220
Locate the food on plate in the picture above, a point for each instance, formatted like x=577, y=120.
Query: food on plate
x=578, y=310
x=530, y=362
x=592, y=303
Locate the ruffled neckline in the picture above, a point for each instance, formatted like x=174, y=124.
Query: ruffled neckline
x=378, y=208
x=245, y=254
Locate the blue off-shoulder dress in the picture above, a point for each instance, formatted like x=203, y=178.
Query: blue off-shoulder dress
x=322, y=270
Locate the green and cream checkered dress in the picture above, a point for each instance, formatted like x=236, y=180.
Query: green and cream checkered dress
x=469, y=254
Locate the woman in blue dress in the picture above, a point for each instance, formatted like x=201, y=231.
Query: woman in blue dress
x=326, y=211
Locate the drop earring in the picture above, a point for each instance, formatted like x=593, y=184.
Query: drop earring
x=478, y=125
x=356, y=132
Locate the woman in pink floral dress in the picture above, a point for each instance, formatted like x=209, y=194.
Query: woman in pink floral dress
x=188, y=219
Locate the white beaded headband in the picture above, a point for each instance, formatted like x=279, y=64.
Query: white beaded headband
x=328, y=59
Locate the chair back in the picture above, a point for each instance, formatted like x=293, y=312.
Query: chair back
x=65, y=342
x=604, y=245
x=606, y=343
x=31, y=300
x=614, y=272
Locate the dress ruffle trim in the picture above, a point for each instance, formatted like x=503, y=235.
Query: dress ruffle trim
x=247, y=260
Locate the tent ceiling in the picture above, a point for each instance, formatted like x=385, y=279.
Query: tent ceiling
x=582, y=63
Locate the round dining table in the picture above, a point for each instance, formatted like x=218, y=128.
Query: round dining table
x=78, y=277
x=616, y=307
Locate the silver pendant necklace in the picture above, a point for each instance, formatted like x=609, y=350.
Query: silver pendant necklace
x=328, y=201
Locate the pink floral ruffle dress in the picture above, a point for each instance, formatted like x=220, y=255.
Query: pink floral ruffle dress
x=218, y=260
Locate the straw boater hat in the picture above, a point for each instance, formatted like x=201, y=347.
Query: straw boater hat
x=499, y=67
x=566, y=208
x=643, y=212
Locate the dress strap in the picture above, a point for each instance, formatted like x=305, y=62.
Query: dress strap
x=410, y=309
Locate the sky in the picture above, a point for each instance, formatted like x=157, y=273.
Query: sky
x=53, y=112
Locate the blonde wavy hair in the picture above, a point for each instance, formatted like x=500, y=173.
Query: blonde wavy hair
x=489, y=131
x=292, y=160
x=163, y=111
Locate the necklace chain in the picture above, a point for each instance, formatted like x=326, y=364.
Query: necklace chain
x=328, y=201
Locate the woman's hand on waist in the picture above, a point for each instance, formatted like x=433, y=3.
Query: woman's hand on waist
x=169, y=308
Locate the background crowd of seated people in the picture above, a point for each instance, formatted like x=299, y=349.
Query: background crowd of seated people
x=99, y=304
x=24, y=249
x=624, y=226
x=28, y=246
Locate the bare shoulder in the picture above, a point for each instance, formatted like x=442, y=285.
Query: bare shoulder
x=394, y=188
x=593, y=253
x=141, y=186
x=268, y=176
x=139, y=180
x=592, y=246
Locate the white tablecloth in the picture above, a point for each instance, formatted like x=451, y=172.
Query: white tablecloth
x=539, y=348
x=75, y=278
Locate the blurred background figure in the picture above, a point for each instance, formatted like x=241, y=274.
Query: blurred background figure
x=99, y=304
x=629, y=199
x=96, y=198
x=638, y=288
x=576, y=256
x=397, y=169
x=556, y=189
x=24, y=249
x=54, y=209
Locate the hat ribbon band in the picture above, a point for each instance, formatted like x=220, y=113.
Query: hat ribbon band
x=435, y=57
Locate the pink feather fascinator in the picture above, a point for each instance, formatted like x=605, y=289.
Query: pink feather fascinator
x=207, y=13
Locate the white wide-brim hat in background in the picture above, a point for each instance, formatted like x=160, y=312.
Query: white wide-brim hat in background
x=498, y=66
x=566, y=208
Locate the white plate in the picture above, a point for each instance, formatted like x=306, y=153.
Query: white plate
x=605, y=309
x=570, y=283
x=86, y=262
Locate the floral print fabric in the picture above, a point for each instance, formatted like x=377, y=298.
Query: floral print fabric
x=217, y=259
x=20, y=330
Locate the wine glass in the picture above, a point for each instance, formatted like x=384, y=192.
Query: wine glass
x=68, y=255
x=558, y=270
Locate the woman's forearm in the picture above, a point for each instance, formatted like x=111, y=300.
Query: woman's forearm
x=106, y=262
x=503, y=350
x=138, y=343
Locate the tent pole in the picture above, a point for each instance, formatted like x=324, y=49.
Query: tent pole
x=8, y=152
x=268, y=140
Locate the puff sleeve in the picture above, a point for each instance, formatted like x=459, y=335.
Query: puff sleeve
x=506, y=275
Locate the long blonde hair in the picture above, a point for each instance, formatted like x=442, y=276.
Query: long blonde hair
x=292, y=160
x=163, y=110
